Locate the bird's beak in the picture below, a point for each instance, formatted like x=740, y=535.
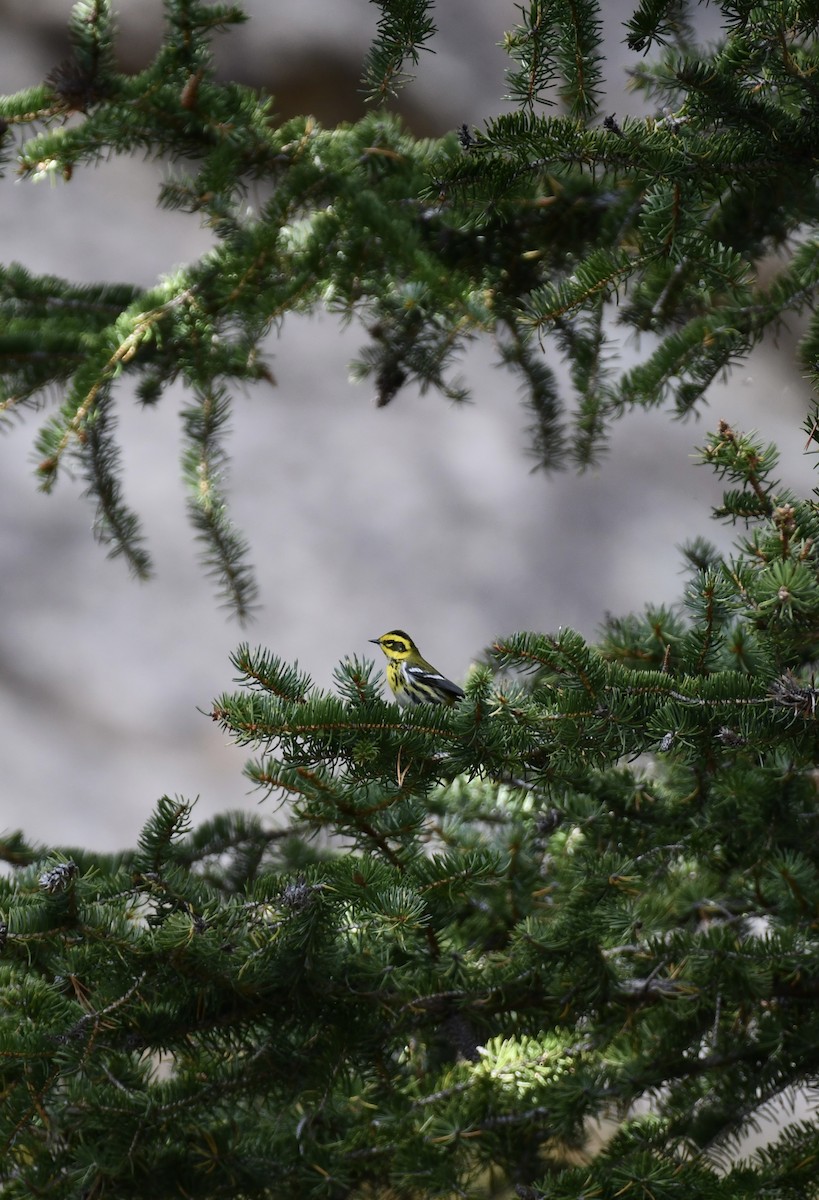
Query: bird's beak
x=375, y=641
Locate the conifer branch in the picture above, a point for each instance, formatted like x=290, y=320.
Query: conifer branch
x=115, y=525
x=543, y=224
x=404, y=28
x=204, y=464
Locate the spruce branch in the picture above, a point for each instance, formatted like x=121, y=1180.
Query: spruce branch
x=659, y=22
x=115, y=525
x=87, y=78
x=546, y=225
x=404, y=28
x=204, y=463
x=532, y=46
x=131, y=330
x=541, y=395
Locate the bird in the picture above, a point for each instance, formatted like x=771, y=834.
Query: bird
x=413, y=680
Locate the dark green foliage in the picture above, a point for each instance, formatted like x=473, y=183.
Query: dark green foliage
x=543, y=232
x=587, y=892
x=204, y=464
x=659, y=22
x=114, y=523
x=557, y=46
x=404, y=28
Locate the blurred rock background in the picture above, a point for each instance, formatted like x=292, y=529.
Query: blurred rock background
x=422, y=515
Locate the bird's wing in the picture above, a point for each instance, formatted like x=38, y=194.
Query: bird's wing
x=434, y=680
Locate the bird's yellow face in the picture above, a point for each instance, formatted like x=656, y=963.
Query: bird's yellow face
x=396, y=644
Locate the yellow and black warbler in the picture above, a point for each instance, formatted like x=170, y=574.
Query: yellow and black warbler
x=413, y=680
